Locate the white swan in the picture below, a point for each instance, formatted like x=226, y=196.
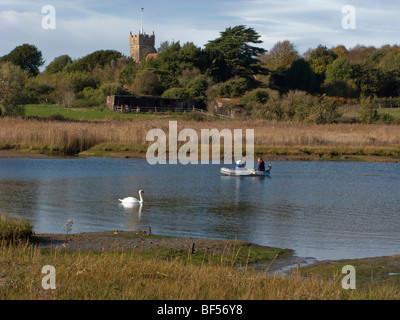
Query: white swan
x=131, y=200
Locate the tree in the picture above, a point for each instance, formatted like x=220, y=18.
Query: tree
x=301, y=77
x=27, y=57
x=283, y=54
x=12, y=81
x=338, y=70
x=390, y=68
x=95, y=59
x=58, y=64
x=147, y=83
x=319, y=59
x=359, y=54
x=367, y=78
x=340, y=51
x=64, y=94
x=231, y=54
x=173, y=60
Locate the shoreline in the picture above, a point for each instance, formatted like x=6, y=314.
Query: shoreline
x=15, y=153
x=280, y=261
x=141, y=266
x=274, y=259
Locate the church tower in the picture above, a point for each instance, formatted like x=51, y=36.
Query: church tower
x=141, y=44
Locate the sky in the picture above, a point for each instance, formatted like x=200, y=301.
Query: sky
x=82, y=27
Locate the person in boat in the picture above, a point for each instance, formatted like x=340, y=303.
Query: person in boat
x=261, y=165
x=239, y=164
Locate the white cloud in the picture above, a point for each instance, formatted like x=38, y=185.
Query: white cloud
x=309, y=22
x=85, y=26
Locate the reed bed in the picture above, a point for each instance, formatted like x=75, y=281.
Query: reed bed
x=115, y=275
x=72, y=137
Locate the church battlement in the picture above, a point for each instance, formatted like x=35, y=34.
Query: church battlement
x=141, y=45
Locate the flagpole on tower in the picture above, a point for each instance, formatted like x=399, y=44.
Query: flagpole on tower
x=141, y=21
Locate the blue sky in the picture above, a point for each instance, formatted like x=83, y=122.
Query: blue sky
x=83, y=27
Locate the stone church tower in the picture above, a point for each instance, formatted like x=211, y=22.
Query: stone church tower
x=141, y=45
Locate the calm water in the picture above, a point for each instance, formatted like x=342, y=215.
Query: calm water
x=325, y=210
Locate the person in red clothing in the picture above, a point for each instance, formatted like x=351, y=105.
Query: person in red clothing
x=261, y=165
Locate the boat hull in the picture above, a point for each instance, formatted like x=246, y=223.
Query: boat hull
x=243, y=172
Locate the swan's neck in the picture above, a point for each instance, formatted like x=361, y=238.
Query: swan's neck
x=140, y=196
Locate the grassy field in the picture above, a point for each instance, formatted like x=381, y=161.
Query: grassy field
x=96, y=113
x=93, y=113
x=129, y=275
x=161, y=274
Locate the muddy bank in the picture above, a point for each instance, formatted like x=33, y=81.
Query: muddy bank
x=124, y=241
x=140, y=155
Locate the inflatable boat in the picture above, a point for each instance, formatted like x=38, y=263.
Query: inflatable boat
x=244, y=172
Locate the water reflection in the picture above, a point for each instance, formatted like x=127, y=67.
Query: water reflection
x=325, y=210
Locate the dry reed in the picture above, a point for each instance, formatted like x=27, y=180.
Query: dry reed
x=74, y=137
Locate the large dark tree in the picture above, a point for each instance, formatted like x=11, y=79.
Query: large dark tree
x=98, y=58
x=27, y=57
x=232, y=55
x=301, y=77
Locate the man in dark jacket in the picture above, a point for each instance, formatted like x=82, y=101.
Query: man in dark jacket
x=261, y=165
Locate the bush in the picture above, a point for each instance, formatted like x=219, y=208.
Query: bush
x=386, y=118
x=324, y=111
x=368, y=112
x=300, y=106
x=174, y=93
x=234, y=88
x=255, y=96
x=296, y=105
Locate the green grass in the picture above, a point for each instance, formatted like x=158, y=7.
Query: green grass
x=93, y=113
x=90, y=113
x=370, y=272
x=85, y=275
x=238, y=256
x=394, y=112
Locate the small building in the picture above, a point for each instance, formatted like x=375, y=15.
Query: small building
x=230, y=107
x=134, y=103
x=151, y=56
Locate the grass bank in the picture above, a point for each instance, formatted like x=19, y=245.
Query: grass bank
x=370, y=272
x=111, y=275
x=139, y=266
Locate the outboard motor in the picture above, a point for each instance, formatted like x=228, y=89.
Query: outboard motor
x=269, y=168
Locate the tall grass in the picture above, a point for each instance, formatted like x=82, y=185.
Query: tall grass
x=12, y=229
x=73, y=137
x=84, y=275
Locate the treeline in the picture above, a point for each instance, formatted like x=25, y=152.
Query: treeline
x=280, y=84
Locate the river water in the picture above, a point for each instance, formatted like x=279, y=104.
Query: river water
x=323, y=210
